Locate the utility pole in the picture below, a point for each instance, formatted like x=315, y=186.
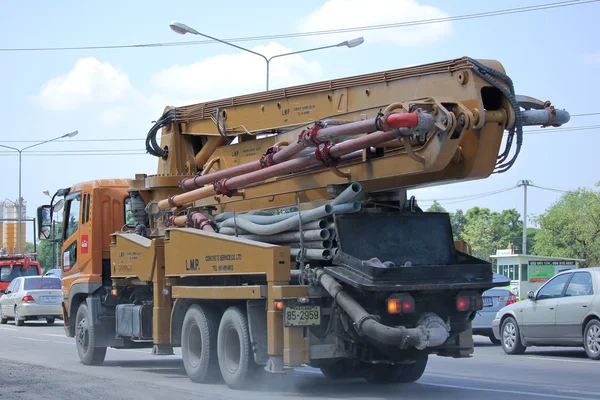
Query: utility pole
x=524, y=183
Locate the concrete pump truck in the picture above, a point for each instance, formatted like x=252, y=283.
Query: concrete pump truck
x=277, y=232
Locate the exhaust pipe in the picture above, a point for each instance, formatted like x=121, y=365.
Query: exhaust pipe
x=431, y=330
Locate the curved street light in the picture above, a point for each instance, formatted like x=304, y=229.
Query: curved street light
x=20, y=200
x=182, y=29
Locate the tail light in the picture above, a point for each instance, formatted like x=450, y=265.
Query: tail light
x=401, y=304
x=511, y=299
x=468, y=302
x=27, y=299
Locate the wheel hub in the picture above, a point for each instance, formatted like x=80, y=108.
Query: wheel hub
x=509, y=335
x=593, y=339
x=82, y=334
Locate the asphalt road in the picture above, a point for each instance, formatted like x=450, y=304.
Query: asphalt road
x=38, y=361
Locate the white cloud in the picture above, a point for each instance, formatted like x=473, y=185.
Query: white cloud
x=592, y=58
x=90, y=81
x=235, y=74
x=340, y=14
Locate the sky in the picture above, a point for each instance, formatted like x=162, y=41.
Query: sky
x=552, y=54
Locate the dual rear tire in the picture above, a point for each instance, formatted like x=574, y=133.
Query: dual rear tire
x=210, y=345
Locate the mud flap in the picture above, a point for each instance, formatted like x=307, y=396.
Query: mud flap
x=461, y=346
x=104, y=325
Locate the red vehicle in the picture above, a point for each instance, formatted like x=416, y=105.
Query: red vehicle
x=12, y=267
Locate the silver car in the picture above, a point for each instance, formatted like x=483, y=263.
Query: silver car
x=32, y=297
x=565, y=311
x=493, y=300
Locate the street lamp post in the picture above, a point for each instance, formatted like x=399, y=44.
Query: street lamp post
x=20, y=202
x=182, y=29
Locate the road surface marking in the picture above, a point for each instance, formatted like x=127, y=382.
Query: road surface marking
x=9, y=329
x=53, y=335
x=70, y=343
x=546, y=395
x=580, y=392
x=36, y=340
x=558, y=359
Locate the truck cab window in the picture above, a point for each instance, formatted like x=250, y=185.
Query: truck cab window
x=72, y=215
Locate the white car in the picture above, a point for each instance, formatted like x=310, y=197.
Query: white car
x=32, y=297
x=565, y=311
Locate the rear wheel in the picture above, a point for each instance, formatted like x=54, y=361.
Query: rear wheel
x=511, y=337
x=382, y=373
x=340, y=369
x=85, y=338
x=413, y=372
x=236, y=360
x=50, y=320
x=3, y=319
x=18, y=320
x=199, y=343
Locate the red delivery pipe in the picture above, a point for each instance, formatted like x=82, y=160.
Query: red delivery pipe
x=315, y=136
x=322, y=155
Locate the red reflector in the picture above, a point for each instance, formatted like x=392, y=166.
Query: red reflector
x=463, y=303
x=408, y=305
x=27, y=299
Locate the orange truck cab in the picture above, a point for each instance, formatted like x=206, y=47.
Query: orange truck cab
x=12, y=267
x=92, y=211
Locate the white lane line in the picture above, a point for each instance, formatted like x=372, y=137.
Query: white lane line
x=53, y=335
x=581, y=392
x=558, y=359
x=35, y=340
x=9, y=329
x=546, y=395
x=70, y=343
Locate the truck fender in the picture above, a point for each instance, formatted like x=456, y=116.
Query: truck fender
x=81, y=288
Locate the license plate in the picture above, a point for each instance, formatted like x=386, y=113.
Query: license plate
x=48, y=299
x=488, y=302
x=301, y=316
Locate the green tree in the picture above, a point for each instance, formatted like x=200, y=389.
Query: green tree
x=436, y=207
x=487, y=231
x=571, y=227
x=459, y=222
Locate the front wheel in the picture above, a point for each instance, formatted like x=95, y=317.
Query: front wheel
x=591, y=341
x=511, y=337
x=85, y=338
x=50, y=321
x=494, y=340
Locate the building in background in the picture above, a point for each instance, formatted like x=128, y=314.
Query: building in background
x=9, y=232
x=527, y=272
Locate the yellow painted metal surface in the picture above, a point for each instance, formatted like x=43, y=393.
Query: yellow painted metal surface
x=192, y=252
x=220, y=292
x=133, y=256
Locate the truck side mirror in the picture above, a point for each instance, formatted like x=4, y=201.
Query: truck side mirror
x=531, y=295
x=44, y=216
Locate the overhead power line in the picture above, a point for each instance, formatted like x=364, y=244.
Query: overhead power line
x=470, y=195
x=485, y=14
